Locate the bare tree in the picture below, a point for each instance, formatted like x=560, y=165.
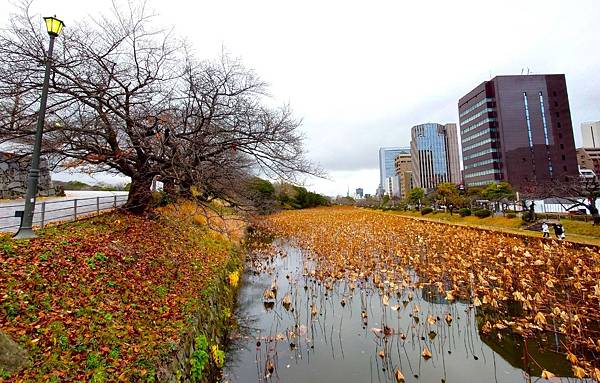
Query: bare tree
x=577, y=191
x=131, y=99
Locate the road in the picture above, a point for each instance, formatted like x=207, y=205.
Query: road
x=60, y=208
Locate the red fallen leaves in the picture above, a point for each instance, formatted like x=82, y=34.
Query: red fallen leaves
x=105, y=295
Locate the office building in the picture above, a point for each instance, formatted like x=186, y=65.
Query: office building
x=387, y=165
x=359, y=193
x=392, y=186
x=590, y=134
x=589, y=158
x=434, y=155
x=587, y=173
x=403, y=166
x=517, y=129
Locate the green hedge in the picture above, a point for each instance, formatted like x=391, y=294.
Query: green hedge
x=464, y=212
x=482, y=213
x=426, y=210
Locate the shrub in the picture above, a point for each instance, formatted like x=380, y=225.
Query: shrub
x=160, y=198
x=464, y=212
x=511, y=215
x=426, y=210
x=482, y=213
x=526, y=216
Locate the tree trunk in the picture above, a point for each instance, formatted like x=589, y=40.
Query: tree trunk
x=595, y=216
x=140, y=194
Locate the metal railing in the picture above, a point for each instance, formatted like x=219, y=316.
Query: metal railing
x=58, y=210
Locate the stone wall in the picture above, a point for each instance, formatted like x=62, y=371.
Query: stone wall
x=13, y=176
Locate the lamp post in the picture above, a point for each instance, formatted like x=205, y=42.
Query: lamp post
x=54, y=27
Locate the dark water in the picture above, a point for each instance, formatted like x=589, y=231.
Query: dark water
x=366, y=340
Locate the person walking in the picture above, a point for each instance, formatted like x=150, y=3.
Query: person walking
x=545, y=229
x=559, y=231
x=562, y=231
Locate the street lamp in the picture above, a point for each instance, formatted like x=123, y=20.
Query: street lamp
x=54, y=26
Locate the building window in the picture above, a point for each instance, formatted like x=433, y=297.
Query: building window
x=565, y=168
x=560, y=135
x=479, y=143
x=557, y=114
x=543, y=118
x=545, y=132
x=527, y=119
x=472, y=108
x=563, y=157
x=477, y=115
x=562, y=146
x=554, y=93
x=558, y=124
x=555, y=103
x=476, y=125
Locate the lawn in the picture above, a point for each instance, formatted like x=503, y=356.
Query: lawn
x=576, y=231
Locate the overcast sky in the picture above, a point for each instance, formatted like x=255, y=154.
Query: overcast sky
x=361, y=74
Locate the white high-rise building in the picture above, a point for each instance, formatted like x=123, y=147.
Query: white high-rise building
x=590, y=134
x=392, y=186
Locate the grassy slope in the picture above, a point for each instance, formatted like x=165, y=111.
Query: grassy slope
x=105, y=299
x=576, y=231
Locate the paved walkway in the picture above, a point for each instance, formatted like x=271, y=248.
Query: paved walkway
x=75, y=205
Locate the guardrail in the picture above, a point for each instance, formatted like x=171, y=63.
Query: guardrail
x=58, y=210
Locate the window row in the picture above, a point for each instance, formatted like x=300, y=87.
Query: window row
x=481, y=153
x=479, y=134
x=483, y=173
x=484, y=162
x=481, y=183
x=477, y=115
x=480, y=103
x=479, y=143
x=477, y=125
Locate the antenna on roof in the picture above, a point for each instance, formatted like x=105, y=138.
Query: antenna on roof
x=527, y=71
x=522, y=71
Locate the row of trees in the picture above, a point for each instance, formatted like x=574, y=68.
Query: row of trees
x=129, y=98
x=268, y=197
x=573, y=193
x=450, y=197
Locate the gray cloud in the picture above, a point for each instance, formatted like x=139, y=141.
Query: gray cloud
x=362, y=74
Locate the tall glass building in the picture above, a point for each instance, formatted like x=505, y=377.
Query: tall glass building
x=435, y=157
x=387, y=167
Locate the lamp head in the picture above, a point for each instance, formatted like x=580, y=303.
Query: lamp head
x=53, y=25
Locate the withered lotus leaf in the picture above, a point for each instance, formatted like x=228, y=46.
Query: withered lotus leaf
x=399, y=377
x=553, y=282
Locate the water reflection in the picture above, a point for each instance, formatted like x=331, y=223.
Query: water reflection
x=297, y=329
